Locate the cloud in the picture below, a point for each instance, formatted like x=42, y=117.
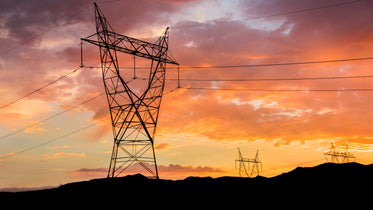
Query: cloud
x=27, y=18
x=35, y=130
x=188, y=169
x=172, y=171
x=9, y=118
x=21, y=189
x=285, y=116
x=330, y=33
x=180, y=1
x=36, y=127
x=288, y=118
x=84, y=170
x=43, y=37
x=89, y=173
x=162, y=146
x=62, y=154
x=56, y=147
x=241, y=38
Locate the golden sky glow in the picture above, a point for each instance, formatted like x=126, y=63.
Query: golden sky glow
x=199, y=130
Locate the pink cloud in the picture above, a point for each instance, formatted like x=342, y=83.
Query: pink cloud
x=187, y=169
x=217, y=115
x=172, y=171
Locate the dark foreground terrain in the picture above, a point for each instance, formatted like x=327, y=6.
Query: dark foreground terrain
x=320, y=183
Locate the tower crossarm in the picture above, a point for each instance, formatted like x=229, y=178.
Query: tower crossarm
x=246, y=163
x=245, y=160
x=132, y=46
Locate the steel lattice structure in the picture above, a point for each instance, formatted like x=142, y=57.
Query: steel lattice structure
x=338, y=157
x=134, y=115
x=244, y=165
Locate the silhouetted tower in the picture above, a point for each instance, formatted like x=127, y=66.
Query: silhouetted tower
x=333, y=156
x=347, y=155
x=245, y=164
x=134, y=113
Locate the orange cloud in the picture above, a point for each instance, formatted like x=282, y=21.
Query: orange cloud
x=224, y=115
x=290, y=117
x=162, y=146
x=34, y=127
x=62, y=154
x=11, y=118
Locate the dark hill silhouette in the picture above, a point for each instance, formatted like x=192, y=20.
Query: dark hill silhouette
x=300, y=183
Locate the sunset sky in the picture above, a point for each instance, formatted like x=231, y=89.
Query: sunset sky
x=199, y=130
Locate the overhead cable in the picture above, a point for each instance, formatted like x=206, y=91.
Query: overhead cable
x=276, y=64
x=282, y=90
x=253, y=65
x=40, y=88
x=51, y=140
x=271, y=79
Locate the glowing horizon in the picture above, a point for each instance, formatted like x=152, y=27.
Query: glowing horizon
x=198, y=130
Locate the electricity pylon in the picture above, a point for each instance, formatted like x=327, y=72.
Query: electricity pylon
x=338, y=157
x=244, y=165
x=134, y=115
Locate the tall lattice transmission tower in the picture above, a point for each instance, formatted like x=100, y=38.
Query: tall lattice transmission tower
x=134, y=112
x=335, y=156
x=248, y=167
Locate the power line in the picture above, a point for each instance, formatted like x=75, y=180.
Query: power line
x=309, y=9
x=38, y=89
x=271, y=79
x=227, y=66
x=281, y=90
x=253, y=65
x=50, y=117
x=276, y=64
x=56, y=115
x=51, y=140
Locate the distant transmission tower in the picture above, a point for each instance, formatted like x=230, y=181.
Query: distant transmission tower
x=245, y=164
x=333, y=156
x=134, y=113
